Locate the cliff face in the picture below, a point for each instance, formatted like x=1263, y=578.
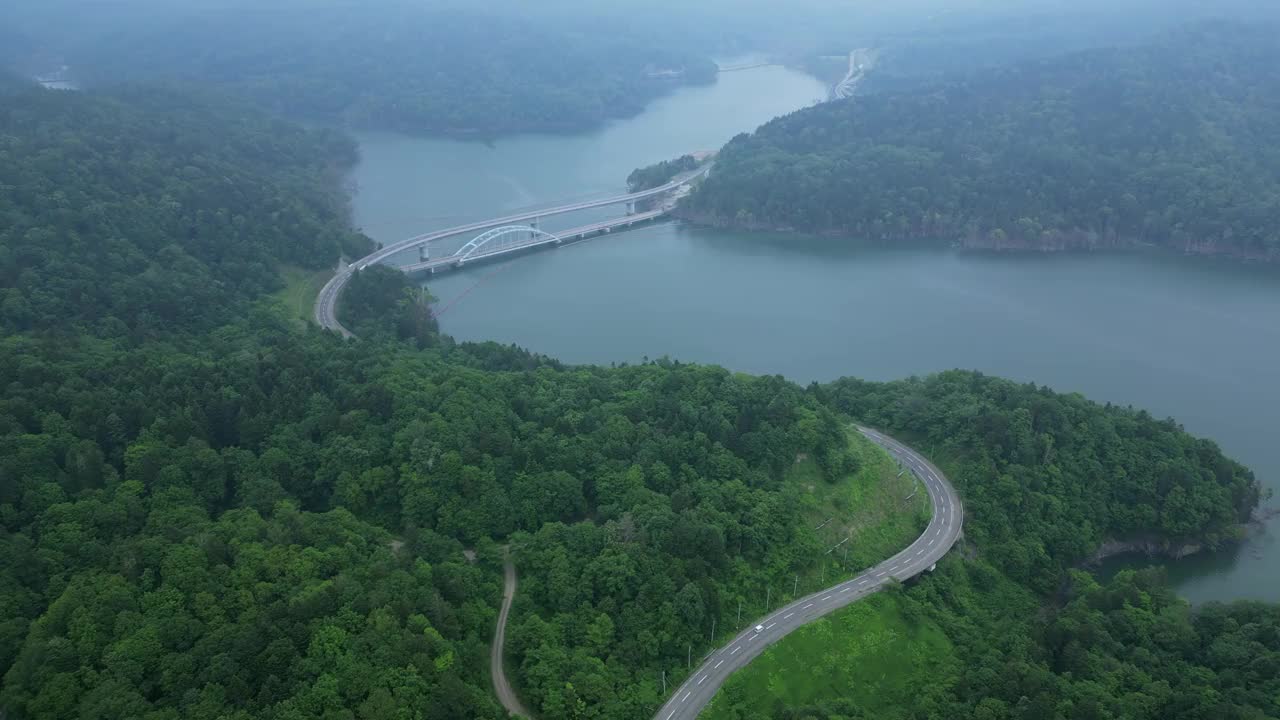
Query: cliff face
x=1150, y=547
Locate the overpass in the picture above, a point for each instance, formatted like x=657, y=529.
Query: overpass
x=327, y=301
x=942, y=533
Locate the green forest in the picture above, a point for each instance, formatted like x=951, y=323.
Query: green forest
x=394, y=65
x=659, y=173
x=1170, y=143
x=209, y=511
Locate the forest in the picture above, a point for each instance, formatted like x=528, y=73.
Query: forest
x=659, y=173
x=439, y=69
x=1169, y=143
x=208, y=511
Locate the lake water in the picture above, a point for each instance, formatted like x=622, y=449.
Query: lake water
x=1189, y=338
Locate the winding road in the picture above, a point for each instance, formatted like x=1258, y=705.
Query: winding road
x=938, y=538
x=501, y=687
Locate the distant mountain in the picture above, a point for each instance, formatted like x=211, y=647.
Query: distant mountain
x=390, y=65
x=1172, y=143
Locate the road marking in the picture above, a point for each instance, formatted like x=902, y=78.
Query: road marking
x=735, y=650
x=766, y=627
x=686, y=696
x=718, y=664
x=826, y=598
x=784, y=617
x=704, y=677
x=919, y=552
x=673, y=712
x=806, y=607
x=880, y=574
x=846, y=590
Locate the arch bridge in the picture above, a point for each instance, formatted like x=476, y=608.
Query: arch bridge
x=502, y=240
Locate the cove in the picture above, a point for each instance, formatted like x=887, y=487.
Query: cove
x=1190, y=338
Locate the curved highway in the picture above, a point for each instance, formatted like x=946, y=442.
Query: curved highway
x=326, y=310
x=938, y=538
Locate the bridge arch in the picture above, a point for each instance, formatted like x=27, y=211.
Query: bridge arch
x=501, y=238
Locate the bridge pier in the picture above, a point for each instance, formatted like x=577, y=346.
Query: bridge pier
x=631, y=208
x=424, y=253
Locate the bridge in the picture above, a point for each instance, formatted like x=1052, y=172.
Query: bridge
x=327, y=301
x=511, y=239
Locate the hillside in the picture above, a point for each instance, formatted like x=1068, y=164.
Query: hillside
x=211, y=512
x=440, y=69
x=1171, y=143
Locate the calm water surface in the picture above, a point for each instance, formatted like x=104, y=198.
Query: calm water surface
x=1193, y=339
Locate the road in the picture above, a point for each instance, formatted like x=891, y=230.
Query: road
x=860, y=62
x=501, y=687
x=326, y=308
x=938, y=538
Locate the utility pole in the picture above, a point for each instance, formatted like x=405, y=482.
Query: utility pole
x=713, y=630
x=824, y=574
x=688, y=656
x=739, y=612
x=795, y=586
x=664, y=682
x=768, y=598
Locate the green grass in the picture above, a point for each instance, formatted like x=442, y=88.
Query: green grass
x=868, y=654
x=300, y=290
x=869, y=507
x=879, y=509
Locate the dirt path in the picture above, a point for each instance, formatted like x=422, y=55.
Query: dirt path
x=501, y=687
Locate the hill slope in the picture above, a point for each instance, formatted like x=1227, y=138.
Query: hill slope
x=1172, y=143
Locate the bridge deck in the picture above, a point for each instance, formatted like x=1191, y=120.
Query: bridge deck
x=451, y=262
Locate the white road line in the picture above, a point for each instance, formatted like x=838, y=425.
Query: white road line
x=686, y=696
x=784, y=617
x=826, y=598
x=704, y=677
x=846, y=590
x=673, y=712
x=766, y=627
x=718, y=664
x=806, y=607
x=735, y=650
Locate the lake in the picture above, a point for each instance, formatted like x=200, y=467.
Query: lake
x=1190, y=338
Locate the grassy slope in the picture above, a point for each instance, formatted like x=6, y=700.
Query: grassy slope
x=869, y=506
x=868, y=653
x=300, y=290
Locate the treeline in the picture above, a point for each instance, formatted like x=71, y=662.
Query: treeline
x=393, y=65
x=145, y=212
x=660, y=173
x=1050, y=477
x=1170, y=143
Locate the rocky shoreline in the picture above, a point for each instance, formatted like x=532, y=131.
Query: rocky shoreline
x=1076, y=241
x=1153, y=547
